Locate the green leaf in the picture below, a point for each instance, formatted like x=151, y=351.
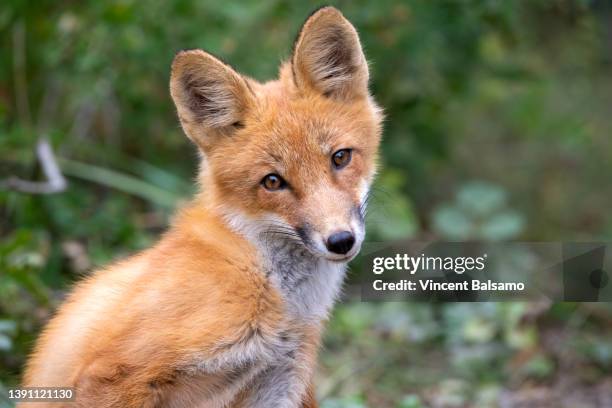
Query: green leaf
x=480, y=198
x=6, y=344
x=478, y=330
x=411, y=401
x=503, y=226
x=8, y=327
x=452, y=223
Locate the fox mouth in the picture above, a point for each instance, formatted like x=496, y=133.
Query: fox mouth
x=342, y=258
x=311, y=241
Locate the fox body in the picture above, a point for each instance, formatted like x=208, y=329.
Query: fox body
x=227, y=309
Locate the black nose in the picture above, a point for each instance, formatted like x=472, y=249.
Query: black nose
x=340, y=242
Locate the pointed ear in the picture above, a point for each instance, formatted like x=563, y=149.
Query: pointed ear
x=210, y=97
x=328, y=57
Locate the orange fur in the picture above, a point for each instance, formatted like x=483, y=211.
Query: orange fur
x=206, y=318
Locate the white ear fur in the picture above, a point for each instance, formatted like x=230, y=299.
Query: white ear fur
x=328, y=57
x=210, y=96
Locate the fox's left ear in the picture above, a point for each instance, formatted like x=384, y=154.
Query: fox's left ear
x=328, y=57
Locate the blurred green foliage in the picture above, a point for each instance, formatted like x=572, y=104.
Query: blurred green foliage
x=497, y=128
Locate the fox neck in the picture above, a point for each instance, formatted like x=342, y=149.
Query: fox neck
x=309, y=284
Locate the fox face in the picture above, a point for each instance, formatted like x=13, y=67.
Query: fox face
x=293, y=157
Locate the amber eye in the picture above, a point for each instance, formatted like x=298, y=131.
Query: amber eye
x=273, y=182
x=341, y=158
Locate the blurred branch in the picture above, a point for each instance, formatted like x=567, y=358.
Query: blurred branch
x=55, y=180
x=119, y=181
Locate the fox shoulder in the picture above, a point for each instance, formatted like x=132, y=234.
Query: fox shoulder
x=190, y=303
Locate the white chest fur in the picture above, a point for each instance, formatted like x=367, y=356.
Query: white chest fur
x=308, y=284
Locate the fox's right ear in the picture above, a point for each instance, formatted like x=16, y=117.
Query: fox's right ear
x=210, y=97
x=328, y=57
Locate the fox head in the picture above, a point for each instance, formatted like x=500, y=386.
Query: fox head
x=293, y=157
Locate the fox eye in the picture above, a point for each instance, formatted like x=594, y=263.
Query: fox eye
x=341, y=158
x=273, y=182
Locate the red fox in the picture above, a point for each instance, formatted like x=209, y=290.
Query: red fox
x=227, y=309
